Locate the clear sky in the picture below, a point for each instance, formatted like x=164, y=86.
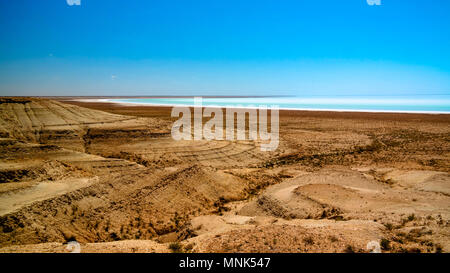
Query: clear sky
x=224, y=47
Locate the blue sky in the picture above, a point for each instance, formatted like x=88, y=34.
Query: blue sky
x=225, y=47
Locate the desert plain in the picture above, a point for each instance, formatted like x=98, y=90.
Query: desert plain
x=111, y=177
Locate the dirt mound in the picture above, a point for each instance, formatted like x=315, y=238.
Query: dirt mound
x=52, y=122
x=125, y=246
x=431, y=181
x=22, y=162
x=50, y=170
x=142, y=205
x=45, y=121
x=291, y=238
x=312, y=197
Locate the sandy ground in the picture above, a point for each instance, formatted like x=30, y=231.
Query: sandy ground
x=111, y=177
x=14, y=200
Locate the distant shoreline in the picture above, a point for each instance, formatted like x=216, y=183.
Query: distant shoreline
x=113, y=100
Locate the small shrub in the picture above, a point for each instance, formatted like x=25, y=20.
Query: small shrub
x=189, y=247
x=385, y=244
x=411, y=217
x=389, y=226
x=176, y=247
x=349, y=249
x=114, y=236
x=308, y=240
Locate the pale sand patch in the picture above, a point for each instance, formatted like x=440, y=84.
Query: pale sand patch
x=422, y=180
x=13, y=201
